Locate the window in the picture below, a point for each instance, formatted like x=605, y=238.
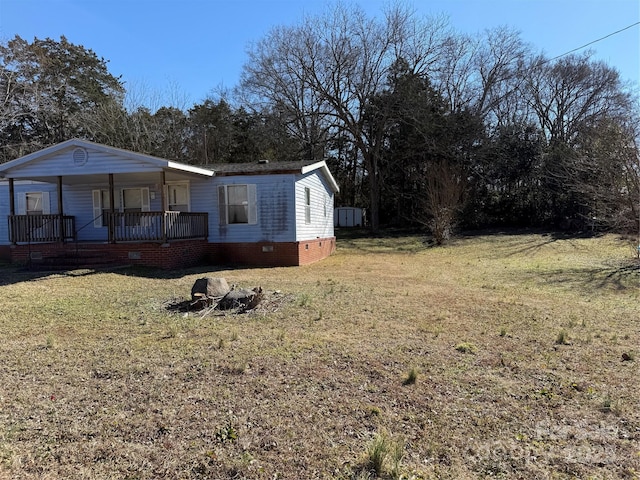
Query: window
x=178, y=197
x=237, y=204
x=133, y=200
x=307, y=205
x=102, y=207
x=33, y=203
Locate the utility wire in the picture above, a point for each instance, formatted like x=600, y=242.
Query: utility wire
x=594, y=41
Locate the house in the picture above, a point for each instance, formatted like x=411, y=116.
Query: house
x=82, y=199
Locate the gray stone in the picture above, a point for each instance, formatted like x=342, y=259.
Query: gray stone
x=211, y=287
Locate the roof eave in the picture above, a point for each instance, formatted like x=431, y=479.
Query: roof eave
x=322, y=165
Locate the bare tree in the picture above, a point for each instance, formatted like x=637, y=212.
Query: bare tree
x=483, y=73
x=572, y=92
x=441, y=200
x=324, y=71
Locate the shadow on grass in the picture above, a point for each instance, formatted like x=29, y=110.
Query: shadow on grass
x=382, y=242
x=10, y=274
x=620, y=278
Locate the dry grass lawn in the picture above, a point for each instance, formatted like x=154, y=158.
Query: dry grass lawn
x=499, y=356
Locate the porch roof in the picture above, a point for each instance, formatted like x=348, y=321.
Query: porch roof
x=69, y=160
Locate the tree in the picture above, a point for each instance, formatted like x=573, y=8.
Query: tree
x=324, y=71
x=47, y=88
x=572, y=98
x=606, y=176
x=427, y=150
x=211, y=132
x=506, y=179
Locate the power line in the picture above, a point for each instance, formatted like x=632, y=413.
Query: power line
x=594, y=41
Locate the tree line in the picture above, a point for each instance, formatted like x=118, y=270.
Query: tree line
x=420, y=124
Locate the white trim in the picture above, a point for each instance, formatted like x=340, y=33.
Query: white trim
x=322, y=165
x=77, y=143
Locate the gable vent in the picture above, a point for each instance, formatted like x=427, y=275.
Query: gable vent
x=80, y=156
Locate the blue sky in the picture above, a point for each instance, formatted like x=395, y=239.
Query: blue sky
x=181, y=50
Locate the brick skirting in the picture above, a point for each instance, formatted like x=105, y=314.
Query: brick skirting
x=280, y=254
x=181, y=254
x=173, y=255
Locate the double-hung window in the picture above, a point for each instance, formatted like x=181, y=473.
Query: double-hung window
x=237, y=204
x=33, y=203
x=127, y=200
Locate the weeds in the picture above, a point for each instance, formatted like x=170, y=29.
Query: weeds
x=411, y=376
x=466, y=347
x=303, y=300
x=562, y=338
x=607, y=404
x=227, y=433
x=384, y=455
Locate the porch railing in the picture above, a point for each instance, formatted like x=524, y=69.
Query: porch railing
x=156, y=226
x=42, y=228
x=124, y=227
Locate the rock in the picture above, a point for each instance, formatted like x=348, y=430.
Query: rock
x=627, y=357
x=242, y=298
x=212, y=287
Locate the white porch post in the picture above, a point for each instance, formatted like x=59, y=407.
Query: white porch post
x=163, y=201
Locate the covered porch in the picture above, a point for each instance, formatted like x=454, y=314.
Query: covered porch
x=101, y=194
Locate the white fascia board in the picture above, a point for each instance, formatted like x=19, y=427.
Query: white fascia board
x=190, y=168
x=327, y=173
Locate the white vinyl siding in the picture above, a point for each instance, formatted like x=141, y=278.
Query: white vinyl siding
x=314, y=208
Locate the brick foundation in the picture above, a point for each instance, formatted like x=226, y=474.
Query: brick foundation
x=281, y=254
x=5, y=253
x=181, y=254
x=166, y=256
